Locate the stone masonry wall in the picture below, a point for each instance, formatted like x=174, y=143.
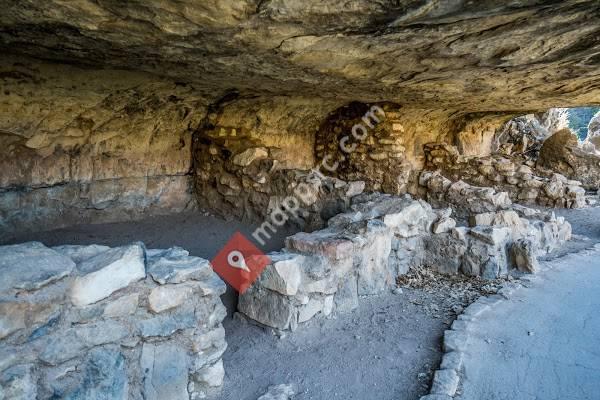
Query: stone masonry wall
x=514, y=175
x=81, y=145
x=363, y=251
x=383, y=143
x=250, y=154
x=96, y=323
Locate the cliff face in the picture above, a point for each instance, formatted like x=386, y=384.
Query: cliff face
x=81, y=145
x=112, y=109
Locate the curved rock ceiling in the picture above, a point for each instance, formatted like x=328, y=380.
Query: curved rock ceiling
x=469, y=55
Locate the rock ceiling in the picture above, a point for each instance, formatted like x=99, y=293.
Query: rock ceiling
x=469, y=55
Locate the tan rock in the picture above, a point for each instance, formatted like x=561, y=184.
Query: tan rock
x=248, y=156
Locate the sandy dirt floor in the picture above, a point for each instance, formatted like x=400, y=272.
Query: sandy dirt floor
x=386, y=349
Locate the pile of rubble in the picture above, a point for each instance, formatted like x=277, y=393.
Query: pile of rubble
x=363, y=251
x=513, y=175
x=93, y=322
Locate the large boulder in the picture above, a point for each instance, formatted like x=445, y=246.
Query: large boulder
x=561, y=153
x=593, y=135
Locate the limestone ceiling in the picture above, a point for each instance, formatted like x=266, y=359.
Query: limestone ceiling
x=470, y=55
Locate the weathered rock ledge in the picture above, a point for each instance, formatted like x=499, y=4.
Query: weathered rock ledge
x=93, y=322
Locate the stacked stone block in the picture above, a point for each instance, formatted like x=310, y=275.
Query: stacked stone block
x=513, y=175
x=363, y=251
x=92, y=322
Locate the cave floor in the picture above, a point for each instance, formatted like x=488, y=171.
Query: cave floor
x=386, y=349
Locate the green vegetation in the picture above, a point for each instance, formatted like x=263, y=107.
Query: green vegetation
x=579, y=118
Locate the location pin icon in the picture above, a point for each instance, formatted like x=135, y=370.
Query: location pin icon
x=236, y=260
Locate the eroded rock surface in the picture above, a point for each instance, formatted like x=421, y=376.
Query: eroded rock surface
x=563, y=154
x=459, y=54
x=80, y=145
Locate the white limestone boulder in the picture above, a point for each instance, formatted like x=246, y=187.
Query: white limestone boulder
x=108, y=272
x=284, y=274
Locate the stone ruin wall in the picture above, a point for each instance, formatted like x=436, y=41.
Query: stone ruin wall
x=363, y=251
x=512, y=174
x=92, y=322
x=249, y=154
x=80, y=146
x=562, y=153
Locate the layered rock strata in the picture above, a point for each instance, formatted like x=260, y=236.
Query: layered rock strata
x=81, y=145
x=460, y=55
x=93, y=322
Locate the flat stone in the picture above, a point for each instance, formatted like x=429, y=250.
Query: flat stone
x=29, y=266
x=213, y=338
x=175, y=266
x=482, y=219
x=324, y=242
x=444, y=225
x=491, y=235
x=411, y=215
x=80, y=253
x=268, y=307
x=374, y=276
x=523, y=255
x=65, y=345
x=248, y=156
x=452, y=360
x=328, y=304
x=123, y=306
x=105, y=377
x=211, y=376
x=284, y=274
x=444, y=252
x=346, y=298
x=166, y=325
x=108, y=272
x=15, y=316
x=406, y=253
x=166, y=371
x=312, y=308
x=445, y=381
x=166, y=297
x=454, y=341
x=18, y=383
x=345, y=219
x=213, y=286
x=208, y=356
x=355, y=188
x=554, y=189
x=171, y=252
